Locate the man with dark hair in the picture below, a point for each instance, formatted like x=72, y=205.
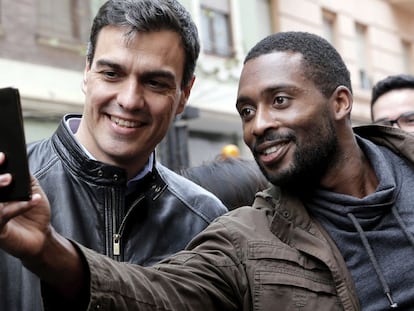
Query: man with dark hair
x=334, y=232
x=98, y=170
x=392, y=102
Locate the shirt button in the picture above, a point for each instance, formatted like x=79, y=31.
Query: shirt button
x=116, y=177
x=100, y=173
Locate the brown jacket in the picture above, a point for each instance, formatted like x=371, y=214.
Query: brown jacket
x=269, y=257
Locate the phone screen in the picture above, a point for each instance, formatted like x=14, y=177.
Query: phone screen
x=13, y=144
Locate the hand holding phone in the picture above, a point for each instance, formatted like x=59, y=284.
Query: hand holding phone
x=13, y=144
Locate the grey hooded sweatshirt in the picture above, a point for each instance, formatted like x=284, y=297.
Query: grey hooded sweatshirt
x=375, y=233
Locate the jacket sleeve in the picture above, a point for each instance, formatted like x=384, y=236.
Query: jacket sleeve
x=206, y=276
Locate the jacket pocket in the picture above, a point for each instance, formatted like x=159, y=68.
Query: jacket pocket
x=282, y=278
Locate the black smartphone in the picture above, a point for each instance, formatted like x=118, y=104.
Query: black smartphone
x=13, y=144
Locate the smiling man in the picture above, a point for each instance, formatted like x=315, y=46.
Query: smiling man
x=300, y=145
x=133, y=92
x=98, y=170
x=326, y=236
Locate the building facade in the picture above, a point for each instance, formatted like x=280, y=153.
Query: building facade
x=42, y=52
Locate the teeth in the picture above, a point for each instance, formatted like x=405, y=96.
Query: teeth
x=124, y=123
x=270, y=150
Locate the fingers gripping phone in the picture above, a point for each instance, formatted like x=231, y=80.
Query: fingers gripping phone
x=13, y=144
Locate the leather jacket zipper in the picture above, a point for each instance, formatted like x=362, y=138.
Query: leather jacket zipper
x=116, y=237
x=116, y=248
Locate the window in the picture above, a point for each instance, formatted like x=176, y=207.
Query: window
x=328, y=26
x=215, y=27
x=362, y=56
x=61, y=23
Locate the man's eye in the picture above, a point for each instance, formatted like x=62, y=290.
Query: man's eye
x=406, y=119
x=246, y=112
x=159, y=86
x=280, y=100
x=410, y=119
x=110, y=74
x=155, y=83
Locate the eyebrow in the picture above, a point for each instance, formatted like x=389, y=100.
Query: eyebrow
x=147, y=74
x=108, y=63
x=159, y=74
x=270, y=90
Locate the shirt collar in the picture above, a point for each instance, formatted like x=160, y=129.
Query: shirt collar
x=73, y=125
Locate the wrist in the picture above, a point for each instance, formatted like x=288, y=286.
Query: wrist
x=59, y=266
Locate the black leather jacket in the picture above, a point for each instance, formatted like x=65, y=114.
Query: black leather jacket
x=89, y=205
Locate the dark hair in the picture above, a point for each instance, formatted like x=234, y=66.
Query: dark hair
x=149, y=16
x=401, y=81
x=321, y=63
x=234, y=181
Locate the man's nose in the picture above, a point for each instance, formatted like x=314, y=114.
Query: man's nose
x=263, y=120
x=130, y=95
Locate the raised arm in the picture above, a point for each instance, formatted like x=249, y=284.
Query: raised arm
x=26, y=233
x=208, y=276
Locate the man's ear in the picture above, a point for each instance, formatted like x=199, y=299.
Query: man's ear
x=342, y=102
x=185, y=94
x=85, y=76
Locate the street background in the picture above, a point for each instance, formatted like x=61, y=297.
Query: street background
x=42, y=53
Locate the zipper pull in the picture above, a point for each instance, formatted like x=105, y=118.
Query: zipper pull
x=117, y=239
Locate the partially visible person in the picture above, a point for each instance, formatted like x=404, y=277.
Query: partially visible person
x=392, y=102
x=334, y=232
x=99, y=171
x=234, y=180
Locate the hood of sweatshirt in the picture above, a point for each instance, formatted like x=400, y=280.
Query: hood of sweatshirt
x=356, y=224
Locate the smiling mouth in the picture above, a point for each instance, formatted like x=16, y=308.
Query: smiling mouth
x=274, y=154
x=270, y=150
x=124, y=123
x=273, y=149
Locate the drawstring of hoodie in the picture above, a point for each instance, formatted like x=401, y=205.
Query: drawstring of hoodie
x=403, y=226
x=372, y=258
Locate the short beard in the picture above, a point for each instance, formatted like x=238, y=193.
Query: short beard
x=310, y=163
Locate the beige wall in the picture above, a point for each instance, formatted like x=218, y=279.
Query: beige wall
x=49, y=76
x=388, y=24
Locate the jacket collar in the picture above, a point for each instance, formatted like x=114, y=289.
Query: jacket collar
x=397, y=140
x=288, y=213
x=91, y=170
